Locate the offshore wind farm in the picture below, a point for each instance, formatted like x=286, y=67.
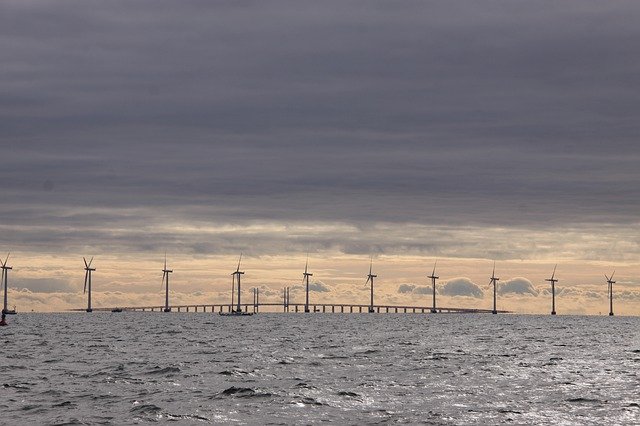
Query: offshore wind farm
x=297, y=212
x=237, y=307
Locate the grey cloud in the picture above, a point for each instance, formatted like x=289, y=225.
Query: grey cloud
x=627, y=295
x=415, y=289
x=518, y=285
x=461, y=287
x=44, y=285
x=424, y=290
x=319, y=286
x=406, y=288
x=121, y=115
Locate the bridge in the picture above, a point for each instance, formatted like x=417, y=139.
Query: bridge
x=300, y=307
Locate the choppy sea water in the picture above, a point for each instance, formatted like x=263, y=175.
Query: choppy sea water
x=195, y=368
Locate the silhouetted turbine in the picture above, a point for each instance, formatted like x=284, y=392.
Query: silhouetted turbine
x=305, y=277
x=494, y=281
x=553, y=282
x=370, y=278
x=433, y=284
x=610, y=283
x=87, y=281
x=5, y=279
x=236, y=275
x=165, y=282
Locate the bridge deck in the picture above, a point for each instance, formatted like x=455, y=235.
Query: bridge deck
x=299, y=307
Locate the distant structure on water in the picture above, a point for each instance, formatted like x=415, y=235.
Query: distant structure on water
x=610, y=283
x=238, y=310
x=433, y=286
x=305, y=278
x=553, y=282
x=87, y=281
x=494, y=281
x=370, y=278
x=5, y=279
x=165, y=283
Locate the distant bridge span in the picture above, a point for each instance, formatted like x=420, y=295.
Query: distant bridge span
x=299, y=307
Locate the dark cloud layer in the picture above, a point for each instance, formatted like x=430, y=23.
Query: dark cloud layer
x=119, y=115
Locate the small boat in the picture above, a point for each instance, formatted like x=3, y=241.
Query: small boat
x=116, y=310
x=235, y=314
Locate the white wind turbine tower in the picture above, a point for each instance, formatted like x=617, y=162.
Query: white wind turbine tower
x=165, y=282
x=494, y=281
x=305, y=278
x=5, y=273
x=610, y=283
x=236, y=274
x=433, y=285
x=87, y=282
x=553, y=282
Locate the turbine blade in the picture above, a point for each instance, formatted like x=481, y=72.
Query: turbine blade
x=86, y=277
x=434, y=268
x=165, y=259
x=306, y=264
x=493, y=274
x=608, y=279
x=85, y=262
x=91, y=260
x=554, y=271
x=371, y=265
x=614, y=272
x=6, y=260
x=239, y=260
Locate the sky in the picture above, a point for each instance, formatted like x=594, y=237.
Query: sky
x=464, y=131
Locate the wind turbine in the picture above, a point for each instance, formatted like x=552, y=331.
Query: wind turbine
x=433, y=284
x=165, y=282
x=305, y=277
x=237, y=273
x=370, y=277
x=494, y=281
x=5, y=273
x=610, y=283
x=87, y=280
x=233, y=291
x=553, y=282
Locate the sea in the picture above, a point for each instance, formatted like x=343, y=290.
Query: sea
x=347, y=369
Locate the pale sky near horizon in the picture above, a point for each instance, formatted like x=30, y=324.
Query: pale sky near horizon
x=460, y=130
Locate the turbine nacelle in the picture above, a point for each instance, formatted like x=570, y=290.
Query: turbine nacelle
x=4, y=264
x=494, y=279
x=371, y=275
x=87, y=274
x=610, y=279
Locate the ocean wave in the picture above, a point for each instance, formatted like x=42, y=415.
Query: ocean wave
x=244, y=393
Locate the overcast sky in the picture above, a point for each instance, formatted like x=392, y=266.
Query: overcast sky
x=462, y=129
